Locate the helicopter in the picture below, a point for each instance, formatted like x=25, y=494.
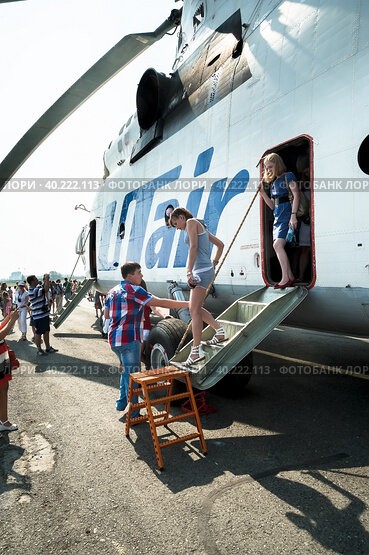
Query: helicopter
x=248, y=79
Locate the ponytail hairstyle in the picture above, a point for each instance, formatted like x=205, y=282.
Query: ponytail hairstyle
x=179, y=212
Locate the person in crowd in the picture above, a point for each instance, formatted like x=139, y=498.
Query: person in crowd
x=52, y=296
x=3, y=289
x=90, y=295
x=59, y=291
x=5, y=371
x=38, y=298
x=304, y=248
x=98, y=304
x=124, y=308
x=74, y=287
x=281, y=181
x=8, y=303
x=22, y=304
x=200, y=273
x=15, y=293
x=67, y=286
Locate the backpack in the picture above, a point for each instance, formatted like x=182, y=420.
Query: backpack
x=303, y=211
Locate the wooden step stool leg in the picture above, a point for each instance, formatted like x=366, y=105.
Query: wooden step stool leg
x=154, y=434
x=134, y=389
x=197, y=417
x=169, y=389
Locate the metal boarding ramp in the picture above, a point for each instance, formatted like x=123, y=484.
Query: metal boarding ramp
x=70, y=305
x=246, y=323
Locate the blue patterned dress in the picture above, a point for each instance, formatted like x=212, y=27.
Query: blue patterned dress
x=282, y=212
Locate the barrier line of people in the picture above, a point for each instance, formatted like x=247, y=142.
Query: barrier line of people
x=32, y=298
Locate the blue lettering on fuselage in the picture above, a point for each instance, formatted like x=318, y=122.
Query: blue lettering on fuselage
x=160, y=243
x=143, y=196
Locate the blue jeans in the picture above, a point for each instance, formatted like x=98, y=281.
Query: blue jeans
x=130, y=358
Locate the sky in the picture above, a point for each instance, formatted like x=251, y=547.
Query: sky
x=45, y=46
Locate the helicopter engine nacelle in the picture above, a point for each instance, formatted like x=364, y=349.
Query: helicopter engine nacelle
x=157, y=95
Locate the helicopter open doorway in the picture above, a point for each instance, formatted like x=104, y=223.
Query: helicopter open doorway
x=92, y=249
x=297, y=155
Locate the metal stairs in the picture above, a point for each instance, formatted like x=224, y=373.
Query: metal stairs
x=73, y=302
x=246, y=323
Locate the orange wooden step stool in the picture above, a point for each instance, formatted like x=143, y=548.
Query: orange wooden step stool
x=143, y=383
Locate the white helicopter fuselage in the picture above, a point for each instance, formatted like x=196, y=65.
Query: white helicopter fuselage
x=306, y=91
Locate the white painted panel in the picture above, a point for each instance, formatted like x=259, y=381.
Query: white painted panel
x=332, y=104
x=363, y=34
x=335, y=36
x=361, y=94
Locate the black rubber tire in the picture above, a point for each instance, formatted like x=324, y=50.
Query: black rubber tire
x=163, y=342
x=167, y=333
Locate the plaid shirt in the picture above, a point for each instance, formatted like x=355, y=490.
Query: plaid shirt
x=125, y=304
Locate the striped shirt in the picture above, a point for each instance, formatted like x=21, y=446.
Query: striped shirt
x=39, y=303
x=125, y=304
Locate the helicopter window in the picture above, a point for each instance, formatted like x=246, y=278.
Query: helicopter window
x=80, y=243
x=122, y=230
x=198, y=17
x=363, y=155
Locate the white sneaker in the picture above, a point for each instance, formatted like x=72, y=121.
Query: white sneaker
x=7, y=427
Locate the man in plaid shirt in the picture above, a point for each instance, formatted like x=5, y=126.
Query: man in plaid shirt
x=124, y=307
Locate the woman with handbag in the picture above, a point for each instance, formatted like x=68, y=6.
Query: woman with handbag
x=6, y=371
x=285, y=215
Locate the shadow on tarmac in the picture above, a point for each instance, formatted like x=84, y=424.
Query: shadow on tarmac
x=309, y=423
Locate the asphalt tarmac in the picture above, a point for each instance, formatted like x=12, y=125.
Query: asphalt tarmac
x=287, y=469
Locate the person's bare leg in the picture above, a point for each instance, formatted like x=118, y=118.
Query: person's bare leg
x=47, y=339
x=197, y=297
x=4, y=403
x=287, y=274
x=38, y=341
x=4, y=409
